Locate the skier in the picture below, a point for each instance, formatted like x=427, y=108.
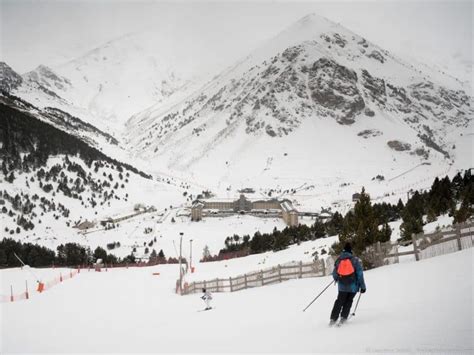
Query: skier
x=207, y=297
x=350, y=278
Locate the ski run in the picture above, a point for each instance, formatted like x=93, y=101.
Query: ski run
x=411, y=307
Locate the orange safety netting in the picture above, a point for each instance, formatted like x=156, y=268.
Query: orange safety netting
x=14, y=297
x=41, y=287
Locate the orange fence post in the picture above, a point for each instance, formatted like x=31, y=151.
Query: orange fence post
x=11, y=293
x=40, y=287
x=60, y=277
x=27, y=295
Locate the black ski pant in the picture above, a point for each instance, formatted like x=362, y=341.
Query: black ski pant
x=343, y=305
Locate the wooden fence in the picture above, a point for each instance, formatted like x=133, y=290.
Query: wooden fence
x=424, y=246
x=458, y=237
x=276, y=274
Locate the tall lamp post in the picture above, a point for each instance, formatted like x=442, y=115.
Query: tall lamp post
x=180, y=269
x=191, y=254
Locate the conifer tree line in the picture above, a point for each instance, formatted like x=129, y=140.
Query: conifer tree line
x=367, y=223
x=69, y=254
x=23, y=134
x=454, y=197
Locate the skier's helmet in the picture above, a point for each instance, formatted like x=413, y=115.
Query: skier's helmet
x=348, y=247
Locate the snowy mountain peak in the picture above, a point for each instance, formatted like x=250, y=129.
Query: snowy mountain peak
x=110, y=83
x=294, y=88
x=310, y=28
x=46, y=77
x=313, y=23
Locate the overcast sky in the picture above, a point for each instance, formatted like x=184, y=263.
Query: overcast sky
x=53, y=32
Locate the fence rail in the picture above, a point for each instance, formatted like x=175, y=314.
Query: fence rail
x=276, y=274
x=459, y=237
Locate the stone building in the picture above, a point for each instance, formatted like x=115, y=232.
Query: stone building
x=196, y=211
x=283, y=208
x=289, y=213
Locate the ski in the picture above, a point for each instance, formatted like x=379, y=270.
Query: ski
x=205, y=309
x=341, y=323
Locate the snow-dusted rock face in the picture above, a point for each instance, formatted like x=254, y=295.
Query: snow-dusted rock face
x=334, y=87
x=9, y=79
x=44, y=76
x=315, y=70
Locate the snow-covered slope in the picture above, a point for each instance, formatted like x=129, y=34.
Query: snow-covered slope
x=131, y=310
x=110, y=83
x=53, y=178
x=315, y=100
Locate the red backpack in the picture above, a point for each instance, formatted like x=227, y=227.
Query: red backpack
x=346, y=271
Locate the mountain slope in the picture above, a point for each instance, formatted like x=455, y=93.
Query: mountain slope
x=307, y=94
x=110, y=83
x=63, y=121
x=9, y=79
x=52, y=179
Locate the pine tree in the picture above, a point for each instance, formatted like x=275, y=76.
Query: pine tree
x=3, y=257
x=457, y=186
x=466, y=209
x=385, y=233
x=319, y=229
x=335, y=225
x=281, y=241
x=100, y=253
x=412, y=217
x=440, y=197
x=360, y=227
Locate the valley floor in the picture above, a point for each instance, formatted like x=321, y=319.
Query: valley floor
x=418, y=307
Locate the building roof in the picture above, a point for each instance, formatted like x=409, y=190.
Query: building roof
x=287, y=206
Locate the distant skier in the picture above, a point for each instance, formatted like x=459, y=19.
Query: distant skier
x=207, y=297
x=349, y=276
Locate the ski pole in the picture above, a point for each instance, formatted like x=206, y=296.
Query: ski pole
x=355, y=309
x=318, y=296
